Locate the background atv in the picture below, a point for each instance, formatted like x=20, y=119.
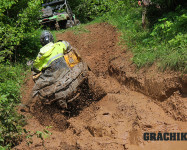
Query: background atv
x=57, y=14
x=65, y=80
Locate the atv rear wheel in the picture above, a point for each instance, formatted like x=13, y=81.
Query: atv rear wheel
x=77, y=22
x=69, y=24
x=57, y=26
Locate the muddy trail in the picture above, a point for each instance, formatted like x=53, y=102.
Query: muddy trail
x=137, y=101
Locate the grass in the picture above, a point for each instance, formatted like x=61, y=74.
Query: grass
x=79, y=29
x=164, y=44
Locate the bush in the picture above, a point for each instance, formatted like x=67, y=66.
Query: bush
x=19, y=41
x=87, y=10
x=18, y=20
x=166, y=43
x=10, y=122
x=28, y=48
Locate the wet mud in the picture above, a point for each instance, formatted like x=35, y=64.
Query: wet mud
x=136, y=101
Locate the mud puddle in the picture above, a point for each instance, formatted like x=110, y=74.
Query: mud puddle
x=117, y=121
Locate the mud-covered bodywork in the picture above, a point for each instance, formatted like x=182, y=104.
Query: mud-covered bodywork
x=59, y=82
x=57, y=17
x=57, y=14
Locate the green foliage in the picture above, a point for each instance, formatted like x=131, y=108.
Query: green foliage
x=87, y=10
x=168, y=5
x=170, y=26
x=158, y=8
x=90, y=9
x=167, y=43
x=79, y=29
x=18, y=41
x=10, y=122
x=29, y=47
x=18, y=21
x=39, y=134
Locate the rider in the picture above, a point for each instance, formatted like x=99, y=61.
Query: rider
x=53, y=61
x=50, y=51
x=144, y=4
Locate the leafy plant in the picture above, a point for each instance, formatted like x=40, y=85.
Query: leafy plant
x=165, y=43
x=18, y=21
x=39, y=134
x=10, y=122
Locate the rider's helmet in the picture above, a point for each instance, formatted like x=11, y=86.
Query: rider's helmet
x=46, y=37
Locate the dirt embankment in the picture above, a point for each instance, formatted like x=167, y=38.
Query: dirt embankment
x=137, y=101
x=167, y=89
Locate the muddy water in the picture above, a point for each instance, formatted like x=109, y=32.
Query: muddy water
x=117, y=121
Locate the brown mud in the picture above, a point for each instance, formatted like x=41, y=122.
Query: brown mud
x=137, y=101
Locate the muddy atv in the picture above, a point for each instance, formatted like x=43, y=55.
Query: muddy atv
x=63, y=81
x=58, y=14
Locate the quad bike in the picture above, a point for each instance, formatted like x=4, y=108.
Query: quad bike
x=62, y=81
x=57, y=14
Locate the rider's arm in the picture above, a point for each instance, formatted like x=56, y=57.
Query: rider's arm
x=67, y=45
